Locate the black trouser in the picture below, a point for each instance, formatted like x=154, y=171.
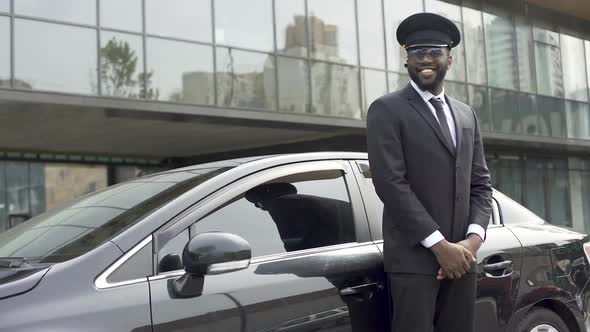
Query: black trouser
x=421, y=303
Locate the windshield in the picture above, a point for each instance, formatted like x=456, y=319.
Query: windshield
x=73, y=230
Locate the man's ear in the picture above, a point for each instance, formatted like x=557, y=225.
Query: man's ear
x=449, y=60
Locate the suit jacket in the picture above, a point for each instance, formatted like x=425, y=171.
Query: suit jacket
x=425, y=185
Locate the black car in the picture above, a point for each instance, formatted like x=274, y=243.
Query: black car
x=276, y=243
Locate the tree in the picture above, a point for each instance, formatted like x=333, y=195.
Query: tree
x=118, y=72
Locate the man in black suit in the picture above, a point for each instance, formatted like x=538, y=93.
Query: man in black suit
x=428, y=168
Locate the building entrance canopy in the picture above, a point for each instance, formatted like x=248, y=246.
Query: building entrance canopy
x=89, y=125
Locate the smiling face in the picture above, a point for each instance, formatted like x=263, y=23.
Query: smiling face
x=428, y=66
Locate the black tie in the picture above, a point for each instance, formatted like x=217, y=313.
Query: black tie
x=442, y=120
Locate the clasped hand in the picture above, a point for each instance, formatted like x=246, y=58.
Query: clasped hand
x=455, y=259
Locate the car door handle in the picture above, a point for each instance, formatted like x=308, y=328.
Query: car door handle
x=360, y=288
x=497, y=266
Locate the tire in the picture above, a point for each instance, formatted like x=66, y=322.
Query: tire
x=541, y=320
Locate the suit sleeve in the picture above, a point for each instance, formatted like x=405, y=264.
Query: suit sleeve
x=386, y=157
x=480, y=202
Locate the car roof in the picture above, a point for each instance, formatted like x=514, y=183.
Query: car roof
x=273, y=159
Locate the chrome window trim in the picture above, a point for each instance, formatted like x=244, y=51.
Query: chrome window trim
x=277, y=257
x=101, y=281
x=203, y=209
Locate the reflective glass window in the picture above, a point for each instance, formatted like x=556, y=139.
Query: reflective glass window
x=527, y=108
x=124, y=173
x=170, y=255
x=372, y=47
x=546, y=36
x=453, y=13
x=535, y=186
x=37, y=188
x=244, y=23
x=578, y=120
x=136, y=267
x=474, y=45
x=492, y=163
x=3, y=203
x=124, y=15
x=291, y=31
x=297, y=212
x=186, y=19
x=332, y=30
x=509, y=177
x=507, y=118
x=80, y=227
x=5, y=53
x=397, y=81
x=374, y=85
x=121, y=60
x=552, y=120
x=448, y=10
x=69, y=56
x=513, y=213
x=585, y=192
x=245, y=79
x=395, y=12
x=457, y=91
x=77, y=11
x=293, y=75
x=526, y=63
x=558, y=193
x=587, y=47
x=335, y=90
x=548, y=63
x=479, y=101
x=17, y=192
x=179, y=72
x=500, y=54
x=66, y=182
x=4, y=7
x=575, y=83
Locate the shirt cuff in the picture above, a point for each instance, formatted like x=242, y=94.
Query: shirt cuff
x=432, y=239
x=476, y=229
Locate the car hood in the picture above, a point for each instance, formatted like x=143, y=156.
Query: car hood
x=17, y=281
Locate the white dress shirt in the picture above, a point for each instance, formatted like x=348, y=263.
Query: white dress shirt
x=437, y=236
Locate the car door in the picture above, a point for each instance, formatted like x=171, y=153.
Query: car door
x=498, y=260
x=499, y=263
x=313, y=266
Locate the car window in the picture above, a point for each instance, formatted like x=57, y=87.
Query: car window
x=136, y=267
x=295, y=212
x=373, y=203
x=513, y=213
x=62, y=234
x=375, y=206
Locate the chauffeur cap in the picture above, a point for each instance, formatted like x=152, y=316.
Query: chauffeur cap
x=427, y=30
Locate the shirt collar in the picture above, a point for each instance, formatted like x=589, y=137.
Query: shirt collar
x=427, y=95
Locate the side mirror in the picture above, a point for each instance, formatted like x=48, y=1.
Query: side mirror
x=216, y=253
x=209, y=253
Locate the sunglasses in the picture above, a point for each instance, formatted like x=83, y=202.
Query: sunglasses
x=420, y=53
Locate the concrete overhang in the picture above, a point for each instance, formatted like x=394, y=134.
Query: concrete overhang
x=578, y=8
x=53, y=123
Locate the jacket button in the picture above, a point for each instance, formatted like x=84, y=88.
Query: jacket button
x=458, y=197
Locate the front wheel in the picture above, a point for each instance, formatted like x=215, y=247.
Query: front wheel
x=541, y=320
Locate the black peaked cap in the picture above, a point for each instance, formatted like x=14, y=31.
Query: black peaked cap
x=427, y=29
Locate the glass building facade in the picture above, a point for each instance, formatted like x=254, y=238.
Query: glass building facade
x=527, y=79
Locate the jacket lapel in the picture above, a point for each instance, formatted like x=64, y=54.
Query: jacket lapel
x=418, y=103
x=454, y=106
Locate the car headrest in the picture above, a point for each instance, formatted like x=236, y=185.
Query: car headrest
x=269, y=190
